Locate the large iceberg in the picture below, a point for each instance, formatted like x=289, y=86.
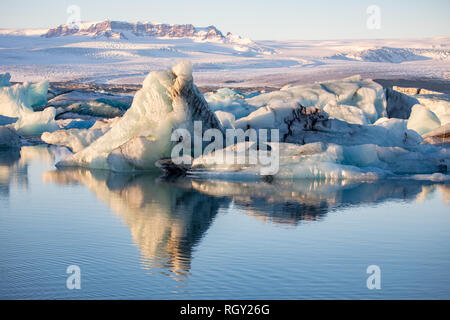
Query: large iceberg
x=168, y=100
x=17, y=101
x=337, y=130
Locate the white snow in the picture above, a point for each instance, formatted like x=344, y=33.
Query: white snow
x=232, y=62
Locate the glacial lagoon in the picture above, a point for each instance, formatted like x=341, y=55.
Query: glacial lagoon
x=148, y=236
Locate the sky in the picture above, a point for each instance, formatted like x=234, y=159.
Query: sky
x=256, y=19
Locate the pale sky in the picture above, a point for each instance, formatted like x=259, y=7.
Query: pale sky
x=257, y=19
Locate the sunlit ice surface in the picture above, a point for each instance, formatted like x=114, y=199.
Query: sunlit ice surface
x=151, y=237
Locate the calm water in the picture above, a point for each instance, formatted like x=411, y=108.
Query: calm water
x=143, y=237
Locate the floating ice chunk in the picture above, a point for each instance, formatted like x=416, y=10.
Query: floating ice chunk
x=17, y=101
x=328, y=161
x=167, y=100
x=422, y=120
x=37, y=93
x=34, y=123
x=4, y=80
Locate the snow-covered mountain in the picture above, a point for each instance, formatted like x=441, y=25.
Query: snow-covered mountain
x=124, y=52
x=128, y=30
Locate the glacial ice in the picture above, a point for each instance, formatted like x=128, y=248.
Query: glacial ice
x=231, y=101
x=17, y=101
x=90, y=103
x=438, y=104
x=366, y=95
x=423, y=120
x=349, y=114
x=74, y=139
x=398, y=104
x=329, y=161
x=77, y=137
x=4, y=79
x=337, y=130
x=167, y=100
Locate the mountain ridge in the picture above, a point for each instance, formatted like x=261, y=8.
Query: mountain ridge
x=124, y=30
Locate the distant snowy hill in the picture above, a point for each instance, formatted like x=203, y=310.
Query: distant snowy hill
x=124, y=52
x=394, y=55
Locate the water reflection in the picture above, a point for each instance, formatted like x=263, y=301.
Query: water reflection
x=14, y=165
x=168, y=217
x=166, y=222
x=290, y=202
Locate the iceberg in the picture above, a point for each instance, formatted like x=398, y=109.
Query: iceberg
x=17, y=101
x=168, y=100
x=366, y=95
x=4, y=79
x=328, y=161
x=423, y=120
x=337, y=130
x=438, y=104
x=342, y=99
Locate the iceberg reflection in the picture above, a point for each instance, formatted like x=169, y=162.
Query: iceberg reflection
x=14, y=165
x=165, y=222
x=167, y=218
